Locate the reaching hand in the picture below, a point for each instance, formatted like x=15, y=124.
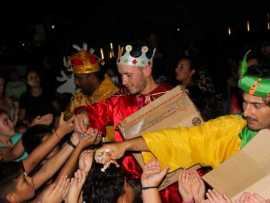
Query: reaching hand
x=81, y=122
x=110, y=152
x=88, y=139
x=184, y=186
x=43, y=120
x=215, y=197
x=76, y=186
x=65, y=127
x=248, y=197
x=152, y=174
x=86, y=160
x=197, y=186
x=75, y=138
x=56, y=192
x=97, y=138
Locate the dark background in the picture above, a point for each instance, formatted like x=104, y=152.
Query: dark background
x=42, y=32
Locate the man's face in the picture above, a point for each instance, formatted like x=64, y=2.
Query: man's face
x=183, y=70
x=256, y=112
x=87, y=83
x=133, y=78
x=6, y=125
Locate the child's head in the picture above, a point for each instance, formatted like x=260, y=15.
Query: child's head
x=34, y=136
x=109, y=186
x=15, y=185
x=6, y=125
x=33, y=78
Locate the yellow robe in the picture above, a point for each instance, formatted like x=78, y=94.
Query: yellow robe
x=105, y=90
x=209, y=144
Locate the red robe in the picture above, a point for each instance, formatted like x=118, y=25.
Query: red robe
x=114, y=110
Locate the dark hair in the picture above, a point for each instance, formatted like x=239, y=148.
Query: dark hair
x=193, y=63
x=9, y=171
x=4, y=78
x=104, y=187
x=3, y=111
x=33, y=137
x=262, y=71
x=60, y=103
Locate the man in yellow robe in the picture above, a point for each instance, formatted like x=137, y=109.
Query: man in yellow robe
x=94, y=84
x=214, y=141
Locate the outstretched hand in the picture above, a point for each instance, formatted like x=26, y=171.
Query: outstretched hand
x=248, y=197
x=65, y=127
x=152, y=174
x=56, y=192
x=86, y=160
x=109, y=152
x=76, y=185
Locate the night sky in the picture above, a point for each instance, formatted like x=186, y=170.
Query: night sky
x=102, y=22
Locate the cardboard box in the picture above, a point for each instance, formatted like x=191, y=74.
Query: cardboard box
x=172, y=109
x=247, y=171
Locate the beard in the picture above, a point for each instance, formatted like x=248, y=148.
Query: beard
x=87, y=91
x=137, y=89
x=252, y=123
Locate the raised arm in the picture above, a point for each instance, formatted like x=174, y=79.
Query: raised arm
x=43, y=149
x=52, y=166
x=71, y=164
x=117, y=150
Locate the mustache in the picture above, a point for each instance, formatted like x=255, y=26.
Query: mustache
x=250, y=119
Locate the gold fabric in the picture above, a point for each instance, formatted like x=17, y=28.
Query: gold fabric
x=208, y=144
x=104, y=91
x=84, y=62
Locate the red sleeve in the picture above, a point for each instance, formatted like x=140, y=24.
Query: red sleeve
x=100, y=114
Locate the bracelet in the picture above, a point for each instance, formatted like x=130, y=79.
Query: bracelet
x=70, y=143
x=149, y=187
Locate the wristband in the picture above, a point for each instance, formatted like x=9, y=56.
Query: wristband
x=149, y=187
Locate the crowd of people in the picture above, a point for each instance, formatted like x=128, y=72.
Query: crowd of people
x=68, y=148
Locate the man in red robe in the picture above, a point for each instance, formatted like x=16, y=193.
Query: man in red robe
x=134, y=64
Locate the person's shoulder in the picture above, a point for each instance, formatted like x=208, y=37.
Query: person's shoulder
x=164, y=87
x=232, y=119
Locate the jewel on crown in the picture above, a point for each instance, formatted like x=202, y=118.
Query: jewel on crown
x=140, y=61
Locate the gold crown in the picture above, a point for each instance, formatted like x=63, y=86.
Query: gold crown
x=84, y=62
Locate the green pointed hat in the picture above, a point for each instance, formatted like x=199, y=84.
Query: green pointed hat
x=250, y=84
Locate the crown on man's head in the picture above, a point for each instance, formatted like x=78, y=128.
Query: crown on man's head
x=84, y=61
x=140, y=61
